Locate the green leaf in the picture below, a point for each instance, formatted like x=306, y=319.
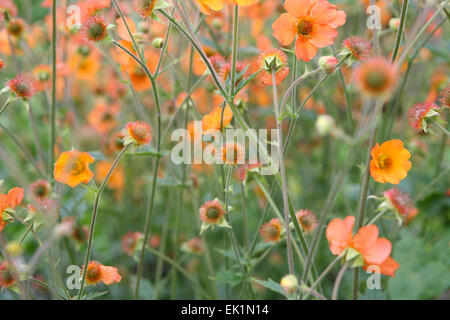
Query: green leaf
x=272, y=285
x=229, y=277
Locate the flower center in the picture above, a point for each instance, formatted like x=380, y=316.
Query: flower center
x=376, y=79
x=213, y=213
x=304, y=28
x=76, y=167
x=384, y=161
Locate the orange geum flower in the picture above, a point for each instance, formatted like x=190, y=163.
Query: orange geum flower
x=307, y=220
x=130, y=242
x=212, y=120
x=138, y=132
x=211, y=211
x=390, y=162
x=365, y=249
x=273, y=60
x=207, y=5
x=40, y=189
x=376, y=77
x=10, y=200
x=271, y=231
x=94, y=29
x=8, y=276
x=144, y=8
x=96, y=272
x=400, y=203
x=72, y=168
x=312, y=22
x=21, y=87
x=419, y=114
x=232, y=153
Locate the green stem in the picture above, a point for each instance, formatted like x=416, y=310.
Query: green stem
x=94, y=216
x=284, y=187
x=400, y=30
x=6, y=105
x=51, y=159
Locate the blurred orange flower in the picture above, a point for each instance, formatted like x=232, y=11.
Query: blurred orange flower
x=96, y=272
x=9, y=201
x=72, y=168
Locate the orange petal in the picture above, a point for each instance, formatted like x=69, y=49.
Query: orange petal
x=378, y=252
x=365, y=238
x=284, y=29
x=340, y=19
x=389, y=266
x=339, y=234
x=110, y=275
x=305, y=50
x=298, y=8
x=323, y=12
x=323, y=36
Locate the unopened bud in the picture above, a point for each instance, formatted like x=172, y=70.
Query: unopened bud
x=324, y=124
x=328, y=64
x=289, y=283
x=158, y=43
x=13, y=249
x=394, y=24
x=217, y=23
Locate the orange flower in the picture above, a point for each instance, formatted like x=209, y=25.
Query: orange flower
x=96, y=272
x=211, y=121
x=366, y=248
x=130, y=241
x=138, y=132
x=104, y=116
x=207, y=5
x=8, y=275
x=401, y=203
x=307, y=220
x=72, y=168
x=276, y=59
x=376, y=77
x=10, y=200
x=271, y=231
x=390, y=162
x=211, y=211
x=313, y=22
x=232, y=153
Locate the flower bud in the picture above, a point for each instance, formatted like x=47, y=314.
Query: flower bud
x=328, y=64
x=324, y=124
x=394, y=24
x=158, y=43
x=289, y=283
x=14, y=249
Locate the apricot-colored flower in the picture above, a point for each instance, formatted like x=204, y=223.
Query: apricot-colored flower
x=211, y=211
x=40, y=189
x=271, y=231
x=10, y=200
x=104, y=116
x=72, y=168
x=144, y=8
x=418, y=113
x=276, y=60
x=212, y=120
x=390, y=162
x=373, y=250
x=307, y=220
x=232, y=153
x=313, y=22
x=94, y=29
x=376, y=77
x=22, y=87
x=130, y=241
x=96, y=272
x=138, y=132
x=402, y=203
x=7, y=275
